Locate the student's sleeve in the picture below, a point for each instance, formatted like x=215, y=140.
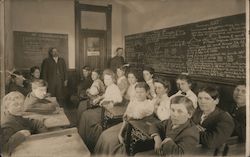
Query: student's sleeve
x=117, y=97
x=157, y=129
x=184, y=145
x=123, y=86
x=213, y=138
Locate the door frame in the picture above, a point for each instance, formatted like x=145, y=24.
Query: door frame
x=94, y=8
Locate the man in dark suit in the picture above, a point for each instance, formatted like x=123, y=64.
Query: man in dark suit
x=54, y=71
x=118, y=60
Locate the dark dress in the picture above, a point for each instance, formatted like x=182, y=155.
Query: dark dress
x=116, y=62
x=219, y=126
x=239, y=116
x=55, y=74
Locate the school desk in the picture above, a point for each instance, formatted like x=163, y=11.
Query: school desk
x=62, y=143
x=112, y=115
x=138, y=137
x=55, y=120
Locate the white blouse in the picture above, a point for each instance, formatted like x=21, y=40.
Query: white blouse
x=113, y=93
x=139, y=109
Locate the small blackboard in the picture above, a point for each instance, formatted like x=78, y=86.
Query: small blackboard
x=213, y=49
x=30, y=48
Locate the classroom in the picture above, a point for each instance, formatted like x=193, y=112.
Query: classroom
x=124, y=78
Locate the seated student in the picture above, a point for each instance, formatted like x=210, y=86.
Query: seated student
x=148, y=73
x=238, y=111
x=17, y=83
x=132, y=80
x=97, y=89
x=214, y=124
x=178, y=135
x=138, y=108
x=90, y=121
x=184, y=84
x=122, y=81
x=37, y=100
x=34, y=75
x=14, y=127
x=84, y=84
x=162, y=101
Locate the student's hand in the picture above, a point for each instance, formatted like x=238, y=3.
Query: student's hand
x=200, y=128
x=157, y=146
x=95, y=101
x=121, y=139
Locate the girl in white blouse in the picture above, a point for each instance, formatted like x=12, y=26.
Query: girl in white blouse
x=132, y=80
x=184, y=84
x=162, y=101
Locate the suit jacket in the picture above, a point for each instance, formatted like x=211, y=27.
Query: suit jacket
x=219, y=127
x=51, y=70
x=239, y=116
x=183, y=138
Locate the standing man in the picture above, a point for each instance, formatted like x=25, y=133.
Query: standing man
x=118, y=60
x=54, y=71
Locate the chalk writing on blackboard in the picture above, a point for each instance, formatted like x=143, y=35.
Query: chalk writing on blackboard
x=208, y=49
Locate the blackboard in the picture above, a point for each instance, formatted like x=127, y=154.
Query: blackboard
x=30, y=48
x=213, y=49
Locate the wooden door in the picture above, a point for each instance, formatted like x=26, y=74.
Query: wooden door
x=93, y=49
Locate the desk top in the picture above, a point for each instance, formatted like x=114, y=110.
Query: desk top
x=63, y=143
x=58, y=119
x=143, y=124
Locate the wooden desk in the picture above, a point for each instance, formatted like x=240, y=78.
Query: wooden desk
x=63, y=143
x=138, y=135
x=112, y=116
x=52, y=120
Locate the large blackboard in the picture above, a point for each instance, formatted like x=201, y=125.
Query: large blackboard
x=30, y=48
x=213, y=49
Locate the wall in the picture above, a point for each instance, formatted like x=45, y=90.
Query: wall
x=8, y=35
x=146, y=15
x=48, y=16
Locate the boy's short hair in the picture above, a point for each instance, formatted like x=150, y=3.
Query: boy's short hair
x=32, y=69
x=98, y=71
x=142, y=85
x=38, y=83
x=212, y=91
x=185, y=101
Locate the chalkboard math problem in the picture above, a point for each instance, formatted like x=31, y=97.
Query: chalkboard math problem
x=213, y=49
